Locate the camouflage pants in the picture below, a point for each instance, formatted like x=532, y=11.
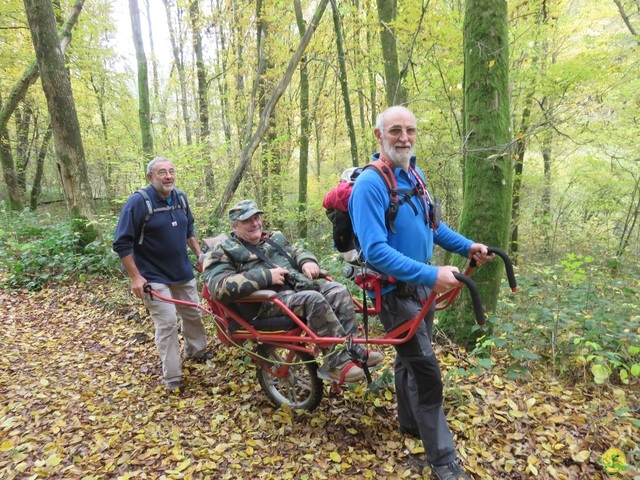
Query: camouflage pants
x=329, y=313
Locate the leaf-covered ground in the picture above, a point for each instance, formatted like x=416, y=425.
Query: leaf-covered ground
x=82, y=398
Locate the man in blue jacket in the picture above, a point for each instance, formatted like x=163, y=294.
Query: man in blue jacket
x=151, y=238
x=403, y=252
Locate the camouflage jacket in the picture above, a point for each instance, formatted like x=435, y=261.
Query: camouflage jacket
x=231, y=271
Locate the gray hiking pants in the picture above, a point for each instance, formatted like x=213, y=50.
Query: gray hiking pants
x=166, y=325
x=418, y=378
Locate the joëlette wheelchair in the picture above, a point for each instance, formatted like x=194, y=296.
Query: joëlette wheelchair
x=285, y=350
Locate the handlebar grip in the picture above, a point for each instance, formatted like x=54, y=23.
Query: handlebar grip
x=508, y=266
x=475, y=297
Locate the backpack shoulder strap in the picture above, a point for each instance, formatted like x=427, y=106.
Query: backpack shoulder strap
x=386, y=172
x=183, y=199
x=147, y=200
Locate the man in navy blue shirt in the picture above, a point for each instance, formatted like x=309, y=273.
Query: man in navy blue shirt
x=152, y=247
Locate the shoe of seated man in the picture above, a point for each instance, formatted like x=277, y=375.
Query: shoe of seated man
x=449, y=471
x=374, y=358
x=347, y=372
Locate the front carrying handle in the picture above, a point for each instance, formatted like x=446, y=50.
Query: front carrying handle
x=475, y=297
x=508, y=266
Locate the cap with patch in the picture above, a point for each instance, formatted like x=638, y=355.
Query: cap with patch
x=243, y=210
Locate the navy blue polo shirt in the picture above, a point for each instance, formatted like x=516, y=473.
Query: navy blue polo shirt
x=162, y=257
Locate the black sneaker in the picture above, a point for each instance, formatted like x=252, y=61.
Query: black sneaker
x=203, y=358
x=450, y=471
x=175, y=387
x=412, y=432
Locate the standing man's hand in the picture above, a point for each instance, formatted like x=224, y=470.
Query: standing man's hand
x=137, y=286
x=445, y=280
x=480, y=253
x=311, y=270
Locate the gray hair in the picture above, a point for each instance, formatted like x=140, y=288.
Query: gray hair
x=381, y=115
x=152, y=163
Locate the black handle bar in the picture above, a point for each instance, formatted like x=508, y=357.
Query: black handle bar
x=475, y=297
x=508, y=266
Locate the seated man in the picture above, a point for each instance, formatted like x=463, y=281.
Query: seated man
x=251, y=260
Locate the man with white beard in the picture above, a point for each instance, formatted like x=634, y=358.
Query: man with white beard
x=402, y=248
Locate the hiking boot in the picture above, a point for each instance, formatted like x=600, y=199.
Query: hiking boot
x=175, y=387
x=348, y=372
x=374, y=358
x=203, y=358
x=450, y=471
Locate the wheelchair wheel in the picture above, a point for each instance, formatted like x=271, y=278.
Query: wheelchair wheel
x=300, y=388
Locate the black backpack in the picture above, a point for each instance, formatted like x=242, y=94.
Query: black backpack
x=182, y=205
x=344, y=239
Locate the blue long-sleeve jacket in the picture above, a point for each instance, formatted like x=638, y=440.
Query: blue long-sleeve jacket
x=405, y=254
x=162, y=257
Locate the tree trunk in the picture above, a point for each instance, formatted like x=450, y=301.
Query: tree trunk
x=17, y=94
x=64, y=120
x=14, y=194
x=36, y=188
x=203, y=104
x=144, y=109
x=23, y=118
x=488, y=168
x=255, y=139
x=177, y=57
x=304, y=131
x=337, y=25
x=30, y=75
x=396, y=93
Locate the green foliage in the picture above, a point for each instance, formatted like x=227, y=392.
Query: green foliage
x=36, y=250
x=576, y=320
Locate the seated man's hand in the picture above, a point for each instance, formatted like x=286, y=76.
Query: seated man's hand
x=277, y=275
x=311, y=270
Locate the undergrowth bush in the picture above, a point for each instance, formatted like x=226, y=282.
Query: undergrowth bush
x=576, y=318
x=37, y=250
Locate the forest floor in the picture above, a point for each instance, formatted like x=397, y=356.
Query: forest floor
x=82, y=399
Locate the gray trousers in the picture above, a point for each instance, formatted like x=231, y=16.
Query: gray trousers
x=166, y=325
x=418, y=379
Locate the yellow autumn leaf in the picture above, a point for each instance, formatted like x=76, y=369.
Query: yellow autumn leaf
x=53, y=460
x=581, y=456
x=181, y=466
x=335, y=457
x=492, y=63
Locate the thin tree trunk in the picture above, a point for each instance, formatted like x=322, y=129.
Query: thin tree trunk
x=203, y=104
x=64, y=119
x=394, y=88
x=23, y=119
x=177, y=57
x=36, y=188
x=344, y=87
x=304, y=130
x=144, y=108
x=255, y=139
x=14, y=194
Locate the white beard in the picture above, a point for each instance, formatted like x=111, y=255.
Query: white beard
x=398, y=159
